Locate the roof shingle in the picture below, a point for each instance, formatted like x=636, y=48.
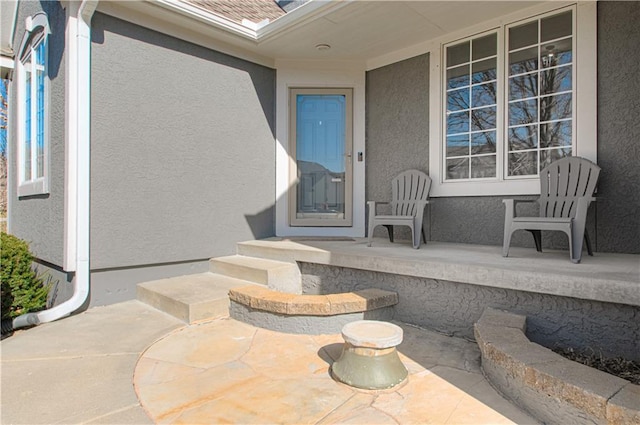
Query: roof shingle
x=237, y=10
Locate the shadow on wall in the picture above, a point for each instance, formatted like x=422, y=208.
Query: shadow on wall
x=57, y=17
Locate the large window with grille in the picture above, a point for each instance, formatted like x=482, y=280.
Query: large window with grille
x=32, y=105
x=510, y=100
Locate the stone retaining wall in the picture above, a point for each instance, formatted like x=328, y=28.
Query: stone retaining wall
x=549, y=386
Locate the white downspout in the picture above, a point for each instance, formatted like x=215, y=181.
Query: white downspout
x=78, y=176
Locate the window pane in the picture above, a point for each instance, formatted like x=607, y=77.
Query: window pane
x=458, y=77
x=548, y=156
x=458, y=122
x=458, y=168
x=556, y=26
x=484, y=142
x=27, y=123
x=458, y=100
x=523, y=35
x=483, y=71
x=40, y=73
x=458, y=145
x=485, y=46
x=523, y=61
x=523, y=86
x=525, y=137
x=555, y=134
x=557, y=53
x=483, y=119
x=483, y=166
x=523, y=164
x=525, y=112
x=555, y=80
x=555, y=107
x=483, y=95
x=458, y=54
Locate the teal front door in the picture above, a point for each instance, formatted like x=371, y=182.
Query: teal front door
x=321, y=145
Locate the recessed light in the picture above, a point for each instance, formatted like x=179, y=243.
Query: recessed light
x=323, y=47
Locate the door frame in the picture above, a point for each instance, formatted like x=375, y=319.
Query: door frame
x=319, y=74
x=347, y=221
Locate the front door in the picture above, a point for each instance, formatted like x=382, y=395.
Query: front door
x=321, y=150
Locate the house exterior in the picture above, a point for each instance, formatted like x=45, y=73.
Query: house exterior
x=149, y=136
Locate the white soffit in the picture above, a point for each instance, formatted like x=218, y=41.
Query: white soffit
x=8, y=12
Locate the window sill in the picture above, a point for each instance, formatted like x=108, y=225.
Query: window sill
x=529, y=186
x=36, y=187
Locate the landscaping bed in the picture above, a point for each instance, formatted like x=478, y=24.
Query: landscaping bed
x=618, y=366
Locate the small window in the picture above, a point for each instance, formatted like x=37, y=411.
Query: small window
x=33, y=89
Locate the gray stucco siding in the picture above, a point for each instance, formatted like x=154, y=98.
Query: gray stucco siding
x=397, y=127
x=618, y=204
x=183, y=148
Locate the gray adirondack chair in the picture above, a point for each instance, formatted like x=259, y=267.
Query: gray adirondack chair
x=566, y=190
x=410, y=196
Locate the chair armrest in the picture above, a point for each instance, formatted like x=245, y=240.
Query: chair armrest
x=511, y=205
x=583, y=206
x=373, y=205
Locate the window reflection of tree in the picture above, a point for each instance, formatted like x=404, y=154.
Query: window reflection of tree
x=553, y=107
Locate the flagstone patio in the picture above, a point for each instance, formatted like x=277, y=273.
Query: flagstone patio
x=225, y=371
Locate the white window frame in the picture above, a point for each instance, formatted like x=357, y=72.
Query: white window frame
x=585, y=101
x=37, y=31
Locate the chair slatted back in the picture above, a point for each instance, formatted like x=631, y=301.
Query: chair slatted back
x=562, y=182
x=407, y=188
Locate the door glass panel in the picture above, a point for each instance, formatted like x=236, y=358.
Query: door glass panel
x=320, y=156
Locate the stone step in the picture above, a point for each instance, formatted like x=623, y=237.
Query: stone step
x=277, y=275
x=309, y=314
x=261, y=298
x=190, y=298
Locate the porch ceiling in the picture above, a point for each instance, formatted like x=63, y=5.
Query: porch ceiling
x=362, y=30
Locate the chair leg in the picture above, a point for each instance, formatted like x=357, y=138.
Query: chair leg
x=575, y=241
x=370, y=235
x=424, y=238
x=588, y=242
x=575, y=244
x=537, y=238
x=415, y=237
x=390, y=229
x=506, y=242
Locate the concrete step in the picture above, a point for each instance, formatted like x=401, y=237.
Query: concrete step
x=283, y=250
x=277, y=275
x=190, y=298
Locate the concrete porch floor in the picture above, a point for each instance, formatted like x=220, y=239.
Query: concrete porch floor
x=83, y=369
x=606, y=277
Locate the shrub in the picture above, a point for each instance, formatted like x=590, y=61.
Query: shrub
x=22, y=291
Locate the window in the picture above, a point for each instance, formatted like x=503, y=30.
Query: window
x=540, y=100
x=33, y=86
x=471, y=93
x=505, y=103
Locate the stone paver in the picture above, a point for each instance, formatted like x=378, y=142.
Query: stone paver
x=228, y=372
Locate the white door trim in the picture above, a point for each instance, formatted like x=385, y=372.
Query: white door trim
x=296, y=74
